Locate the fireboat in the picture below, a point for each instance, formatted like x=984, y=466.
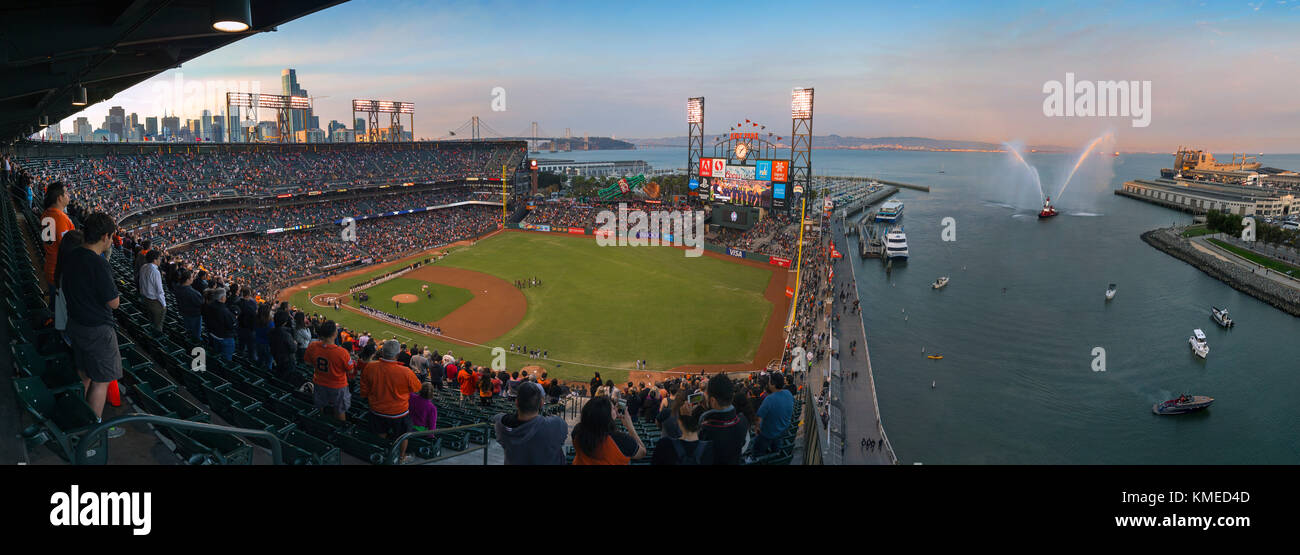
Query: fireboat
x=1048, y=209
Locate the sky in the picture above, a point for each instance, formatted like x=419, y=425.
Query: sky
x=1222, y=74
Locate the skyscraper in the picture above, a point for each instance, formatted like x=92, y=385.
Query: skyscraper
x=298, y=119
x=151, y=126
x=82, y=128
x=205, y=125
x=116, y=123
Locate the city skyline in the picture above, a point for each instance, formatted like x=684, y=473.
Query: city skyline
x=946, y=71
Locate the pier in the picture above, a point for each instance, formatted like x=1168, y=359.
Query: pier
x=859, y=412
x=859, y=203
x=900, y=184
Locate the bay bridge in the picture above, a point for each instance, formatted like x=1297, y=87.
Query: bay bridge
x=476, y=129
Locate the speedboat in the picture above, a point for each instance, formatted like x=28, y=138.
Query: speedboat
x=1110, y=292
x=896, y=244
x=934, y=357
x=1221, y=316
x=939, y=283
x=1183, y=404
x=1048, y=210
x=1199, y=345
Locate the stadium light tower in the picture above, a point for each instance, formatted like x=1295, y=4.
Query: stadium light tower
x=694, y=136
x=801, y=137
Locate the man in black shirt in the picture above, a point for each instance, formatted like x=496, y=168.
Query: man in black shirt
x=190, y=304
x=91, y=298
x=721, y=424
x=220, y=323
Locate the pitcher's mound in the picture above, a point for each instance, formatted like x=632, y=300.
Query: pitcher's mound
x=405, y=298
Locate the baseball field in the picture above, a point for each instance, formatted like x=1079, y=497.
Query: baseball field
x=596, y=309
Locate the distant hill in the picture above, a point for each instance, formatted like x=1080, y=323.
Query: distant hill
x=873, y=143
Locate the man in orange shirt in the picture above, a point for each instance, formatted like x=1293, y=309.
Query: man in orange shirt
x=332, y=366
x=388, y=385
x=54, y=223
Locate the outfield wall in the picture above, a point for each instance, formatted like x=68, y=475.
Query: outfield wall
x=720, y=249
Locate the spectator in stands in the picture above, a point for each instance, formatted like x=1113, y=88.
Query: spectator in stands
x=387, y=385
x=512, y=385
x=57, y=198
x=189, y=303
x=689, y=449
x=332, y=366
x=262, y=336
x=424, y=414
x=404, y=356
x=527, y=437
x=484, y=381
x=283, y=348
x=773, y=415
x=721, y=424
x=633, y=401
x=301, y=333
x=219, y=322
x=151, y=290
x=667, y=416
x=595, y=384
x=596, y=439
x=467, y=384
x=419, y=363
x=247, y=322
x=91, y=297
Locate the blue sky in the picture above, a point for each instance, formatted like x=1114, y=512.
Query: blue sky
x=1223, y=73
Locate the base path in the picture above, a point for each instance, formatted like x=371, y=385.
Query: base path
x=497, y=306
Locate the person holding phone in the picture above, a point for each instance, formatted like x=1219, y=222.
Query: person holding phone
x=689, y=449
x=596, y=439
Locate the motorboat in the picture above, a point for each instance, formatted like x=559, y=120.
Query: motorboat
x=1221, y=316
x=934, y=357
x=1183, y=404
x=1199, y=345
x=940, y=283
x=1048, y=210
x=1110, y=292
x=896, y=244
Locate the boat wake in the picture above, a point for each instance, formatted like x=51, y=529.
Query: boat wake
x=1086, y=214
x=999, y=204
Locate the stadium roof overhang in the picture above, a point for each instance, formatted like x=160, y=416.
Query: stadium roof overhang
x=51, y=48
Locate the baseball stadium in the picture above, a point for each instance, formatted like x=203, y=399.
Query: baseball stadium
x=269, y=295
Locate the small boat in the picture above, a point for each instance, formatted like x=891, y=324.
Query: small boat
x=933, y=383
x=1221, y=316
x=1183, y=404
x=934, y=357
x=1199, y=345
x=939, y=283
x=1048, y=210
x=1110, y=292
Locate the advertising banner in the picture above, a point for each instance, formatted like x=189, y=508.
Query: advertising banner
x=577, y=230
x=735, y=252
x=706, y=167
x=778, y=261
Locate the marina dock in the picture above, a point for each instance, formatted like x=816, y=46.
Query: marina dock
x=900, y=184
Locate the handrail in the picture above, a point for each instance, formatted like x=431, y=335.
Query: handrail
x=277, y=456
x=397, y=444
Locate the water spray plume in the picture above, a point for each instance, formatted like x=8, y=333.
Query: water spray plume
x=1087, y=151
x=1032, y=170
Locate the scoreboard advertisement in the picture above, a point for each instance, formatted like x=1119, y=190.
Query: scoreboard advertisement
x=762, y=185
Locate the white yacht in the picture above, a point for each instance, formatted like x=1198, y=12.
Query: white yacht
x=896, y=244
x=939, y=283
x=890, y=211
x=1221, y=316
x=1199, y=345
x=1110, y=292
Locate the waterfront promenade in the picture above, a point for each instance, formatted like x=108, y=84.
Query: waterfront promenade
x=859, y=410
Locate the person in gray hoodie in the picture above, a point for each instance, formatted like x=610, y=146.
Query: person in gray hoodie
x=527, y=437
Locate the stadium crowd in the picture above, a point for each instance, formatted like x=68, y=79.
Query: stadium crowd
x=122, y=183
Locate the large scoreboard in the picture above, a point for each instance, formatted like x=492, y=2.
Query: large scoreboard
x=763, y=184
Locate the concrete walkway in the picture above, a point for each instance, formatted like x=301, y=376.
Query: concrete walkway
x=1200, y=243
x=858, y=403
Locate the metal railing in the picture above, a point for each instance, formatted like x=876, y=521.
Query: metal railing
x=84, y=455
x=394, y=450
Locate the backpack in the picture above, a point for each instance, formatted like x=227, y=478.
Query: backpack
x=694, y=458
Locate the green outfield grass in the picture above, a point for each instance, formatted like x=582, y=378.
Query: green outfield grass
x=603, y=306
x=445, y=299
